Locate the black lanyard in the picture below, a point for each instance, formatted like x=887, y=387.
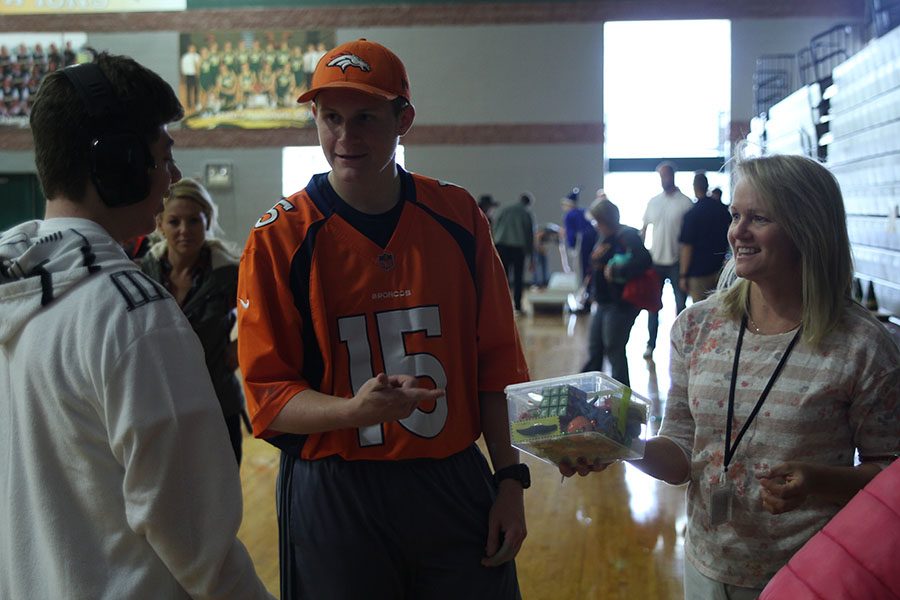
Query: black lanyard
x=729, y=449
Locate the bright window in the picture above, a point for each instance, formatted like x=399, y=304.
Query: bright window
x=667, y=95
x=300, y=163
x=631, y=191
x=667, y=87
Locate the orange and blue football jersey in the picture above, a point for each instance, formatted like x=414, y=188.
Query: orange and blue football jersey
x=321, y=306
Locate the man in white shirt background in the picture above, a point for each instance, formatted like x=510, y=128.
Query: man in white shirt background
x=190, y=69
x=665, y=213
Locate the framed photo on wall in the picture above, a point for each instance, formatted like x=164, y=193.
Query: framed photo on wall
x=248, y=79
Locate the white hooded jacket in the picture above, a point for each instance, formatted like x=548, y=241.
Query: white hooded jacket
x=117, y=478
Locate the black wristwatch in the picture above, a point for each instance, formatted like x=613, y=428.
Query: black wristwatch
x=518, y=472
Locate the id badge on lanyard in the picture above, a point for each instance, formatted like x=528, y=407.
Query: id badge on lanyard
x=721, y=494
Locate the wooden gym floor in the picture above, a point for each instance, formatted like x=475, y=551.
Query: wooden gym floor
x=616, y=535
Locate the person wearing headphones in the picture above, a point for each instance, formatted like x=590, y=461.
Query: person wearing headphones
x=201, y=273
x=117, y=475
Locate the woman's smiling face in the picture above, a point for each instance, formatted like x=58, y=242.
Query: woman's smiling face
x=184, y=225
x=762, y=248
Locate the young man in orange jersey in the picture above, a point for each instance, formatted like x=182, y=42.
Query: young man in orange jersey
x=376, y=337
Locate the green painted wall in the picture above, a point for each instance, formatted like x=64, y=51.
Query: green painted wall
x=20, y=199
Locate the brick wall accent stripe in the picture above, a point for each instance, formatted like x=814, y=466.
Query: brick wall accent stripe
x=477, y=135
x=421, y=135
x=738, y=131
x=15, y=139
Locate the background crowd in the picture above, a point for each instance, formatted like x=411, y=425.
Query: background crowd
x=683, y=240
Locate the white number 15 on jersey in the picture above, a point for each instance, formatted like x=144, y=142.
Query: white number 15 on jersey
x=392, y=327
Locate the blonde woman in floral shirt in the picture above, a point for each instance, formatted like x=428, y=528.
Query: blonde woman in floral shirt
x=786, y=367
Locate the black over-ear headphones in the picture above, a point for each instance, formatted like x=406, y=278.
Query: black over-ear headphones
x=119, y=159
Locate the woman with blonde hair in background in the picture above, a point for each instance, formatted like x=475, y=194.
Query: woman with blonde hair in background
x=778, y=382
x=200, y=271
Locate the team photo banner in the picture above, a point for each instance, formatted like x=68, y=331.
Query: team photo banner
x=249, y=79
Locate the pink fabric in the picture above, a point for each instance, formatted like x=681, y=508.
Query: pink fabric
x=856, y=556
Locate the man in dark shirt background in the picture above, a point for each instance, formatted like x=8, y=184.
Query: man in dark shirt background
x=704, y=242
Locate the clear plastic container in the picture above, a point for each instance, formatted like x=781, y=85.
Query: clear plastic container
x=588, y=415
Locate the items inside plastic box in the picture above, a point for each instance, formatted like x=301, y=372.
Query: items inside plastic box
x=586, y=415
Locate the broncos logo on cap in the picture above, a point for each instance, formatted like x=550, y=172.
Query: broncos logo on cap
x=349, y=60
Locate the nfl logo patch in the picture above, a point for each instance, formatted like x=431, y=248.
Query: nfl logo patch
x=386, y=261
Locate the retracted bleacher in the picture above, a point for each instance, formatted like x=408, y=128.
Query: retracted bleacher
x=846, y=113
x=864, y=154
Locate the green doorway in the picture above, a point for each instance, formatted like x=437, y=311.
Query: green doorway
x=20, y=199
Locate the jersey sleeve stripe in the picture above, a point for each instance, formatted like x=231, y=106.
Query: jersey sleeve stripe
x=301, y=268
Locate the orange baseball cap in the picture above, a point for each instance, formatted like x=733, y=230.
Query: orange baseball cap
x=361, y=65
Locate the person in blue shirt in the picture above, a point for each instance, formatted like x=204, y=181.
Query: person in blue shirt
x=580, y=234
